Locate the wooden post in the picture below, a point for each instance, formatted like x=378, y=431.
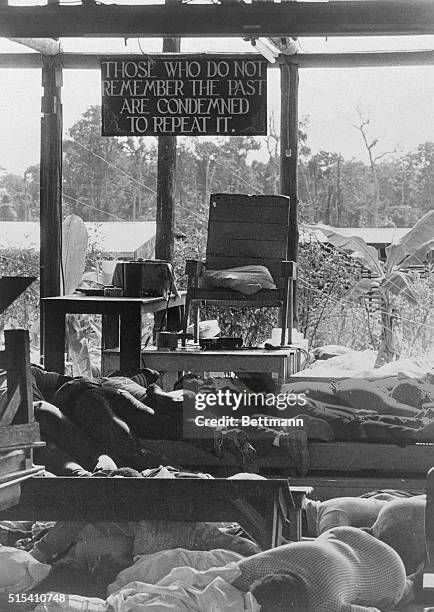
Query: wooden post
x=51, y=184
x=164, y=241
x=288, y=165
x=166, y=176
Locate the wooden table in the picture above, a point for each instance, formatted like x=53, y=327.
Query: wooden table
x=280, y=361
x=123, y=318
x=262, y=507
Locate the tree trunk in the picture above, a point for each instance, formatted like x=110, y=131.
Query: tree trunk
x=387, y=351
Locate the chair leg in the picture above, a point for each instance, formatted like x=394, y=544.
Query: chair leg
x=283, y=336
x=290, y=314
x=284, y=314
x=186, y=316
x=196, y=317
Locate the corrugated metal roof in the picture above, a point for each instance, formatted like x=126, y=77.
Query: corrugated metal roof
x=371, y=235
x=376, y=235
x=121, y=237
x=110, y=237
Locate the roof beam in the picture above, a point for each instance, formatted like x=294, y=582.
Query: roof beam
x=362, y=59
x=44, y=46
x=294, y=19
x=91, y=61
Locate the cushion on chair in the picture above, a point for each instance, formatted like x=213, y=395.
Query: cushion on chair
x=246, y=279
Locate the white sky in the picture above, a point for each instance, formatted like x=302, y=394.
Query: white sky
x=399, y=100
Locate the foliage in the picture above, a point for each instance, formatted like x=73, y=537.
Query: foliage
x=23, y=313
x=416, y=321
x=324, y=278
x=83, y=333
x=392, y=278
x=21, y=194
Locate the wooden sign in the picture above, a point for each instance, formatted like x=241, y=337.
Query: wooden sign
x=184, y=95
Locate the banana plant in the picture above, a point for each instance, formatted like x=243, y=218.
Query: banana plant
x=391, y=278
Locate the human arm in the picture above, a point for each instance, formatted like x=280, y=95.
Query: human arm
x=57, y=540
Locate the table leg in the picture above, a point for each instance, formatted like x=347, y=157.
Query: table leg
x=174, y=319
x=293, y=511
x=110, y=331
x=54, y=337
x=130, y=337
x=294, y=527
x=109, y=339
x=273, y=524
x=281, y=376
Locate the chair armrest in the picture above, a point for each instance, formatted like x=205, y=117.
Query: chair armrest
x=194, y=267
x=289, y=269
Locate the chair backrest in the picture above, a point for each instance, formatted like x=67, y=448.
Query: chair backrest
x=248, y=230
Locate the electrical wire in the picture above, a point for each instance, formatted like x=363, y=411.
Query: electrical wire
x=148, y=57
x=342, y=301
x=93, y=207
x=238, y=176
x=192, y=212
x=113, y=166
x=201, y=217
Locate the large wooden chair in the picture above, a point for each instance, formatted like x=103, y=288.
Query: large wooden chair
x=245, y=230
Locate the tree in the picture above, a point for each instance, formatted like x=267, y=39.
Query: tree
x=140, y=163
x=96, y=181
x=370, y=144
x=207, y=166
x=419, y=173
x=17, y=193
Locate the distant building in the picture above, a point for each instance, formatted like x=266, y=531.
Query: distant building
x=127, y=240
x=117, y=239
x=378, y=237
